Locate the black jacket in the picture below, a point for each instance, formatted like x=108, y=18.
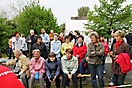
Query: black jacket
x=129, y=39
x=42, y=49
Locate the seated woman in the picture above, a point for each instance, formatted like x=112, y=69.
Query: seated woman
x=52, y=65
x=69, y=67
x=37, y=68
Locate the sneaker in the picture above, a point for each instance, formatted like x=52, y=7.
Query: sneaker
x=111, y=84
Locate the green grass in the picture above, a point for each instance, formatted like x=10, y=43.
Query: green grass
x=4, y=55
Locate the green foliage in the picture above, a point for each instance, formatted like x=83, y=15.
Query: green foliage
x=83, y=11
x=6, y=29
x=110, y=15
x=35, y=17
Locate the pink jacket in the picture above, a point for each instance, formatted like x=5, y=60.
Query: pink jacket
x=124, y=61
x=37, y=66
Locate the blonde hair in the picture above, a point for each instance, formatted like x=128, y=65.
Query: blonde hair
x=119, y=33
x=94, y=34
x=18, y=52
x=36, y=50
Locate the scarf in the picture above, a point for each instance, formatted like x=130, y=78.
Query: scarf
x=117, y=44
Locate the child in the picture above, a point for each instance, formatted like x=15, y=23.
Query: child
x=52, y=70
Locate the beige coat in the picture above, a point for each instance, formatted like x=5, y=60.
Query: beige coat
x=23, y=64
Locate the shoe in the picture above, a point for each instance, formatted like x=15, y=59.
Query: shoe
x=111, y=84
x=104, y=72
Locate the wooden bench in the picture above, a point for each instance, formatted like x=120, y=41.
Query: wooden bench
x=81, y=76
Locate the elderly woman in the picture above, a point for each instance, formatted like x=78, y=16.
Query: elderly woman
x=37, y=67
x=95, y=54
x=69, y=67
x=119, y=47
x=21, y=65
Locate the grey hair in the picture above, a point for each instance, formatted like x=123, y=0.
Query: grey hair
x=18, y=52
x=36, y=50
x=31, y=31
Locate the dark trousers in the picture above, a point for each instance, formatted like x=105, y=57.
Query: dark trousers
x=96, y=69
x=57, y=82
x=65, y=80
x=10, y=52
x=119, y=79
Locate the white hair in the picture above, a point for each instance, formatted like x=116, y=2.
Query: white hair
x=36, y=50
x=18, y=52
x=31, y=31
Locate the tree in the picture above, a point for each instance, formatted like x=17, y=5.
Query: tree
x=6, y=29
x=110, y=15
x=83, y=11
x=35, y=17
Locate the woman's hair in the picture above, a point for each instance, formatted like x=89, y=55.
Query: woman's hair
x=69, y=51
x=36, y=50
x=67, y=36
x=119, y=33
x=78, y=33
x=39, y=37
x=100, y=39
x=94, y=34
x=52, y=54
x=80, y=36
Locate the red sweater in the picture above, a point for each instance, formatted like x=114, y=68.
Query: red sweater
x=8, y=79
x=106, y=48
x=124, y=61
x=81, y=51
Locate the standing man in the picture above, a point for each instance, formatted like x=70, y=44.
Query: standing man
x=56, y=46
x=31, y=39
x=45, y=38
x=16, y=42
x=129, y=38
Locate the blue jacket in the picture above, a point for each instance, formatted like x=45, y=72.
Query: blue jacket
x=56, y=47
x=52, y=67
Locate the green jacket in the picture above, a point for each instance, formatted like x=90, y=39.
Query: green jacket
x=69, y=66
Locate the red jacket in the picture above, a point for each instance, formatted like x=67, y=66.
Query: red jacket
x=8, y=79
x=106, y=48
x=81, y=51
x=124, y=61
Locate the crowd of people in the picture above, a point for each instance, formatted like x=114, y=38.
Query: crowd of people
x=72, y=55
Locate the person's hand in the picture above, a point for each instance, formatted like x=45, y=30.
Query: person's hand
x=29, y=41
x=49, y=79
x=115, y=57
x=17, y=75
x=93, y=52
x=87, y=58
x=70, y=76
x=77, y=56
x=54, y=78
x=111, y=53
x=101, y=50
x=4, y=64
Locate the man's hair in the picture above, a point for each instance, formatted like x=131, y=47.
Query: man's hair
x=39, y=37
x=18, y=52
x=52, y=54
x=31, y=31
x=80, y=36
x=67, y=36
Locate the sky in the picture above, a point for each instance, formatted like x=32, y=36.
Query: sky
x=62, y=9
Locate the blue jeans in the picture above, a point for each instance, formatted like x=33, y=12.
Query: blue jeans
x=104, y=57
x=96, y=69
